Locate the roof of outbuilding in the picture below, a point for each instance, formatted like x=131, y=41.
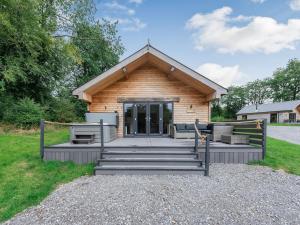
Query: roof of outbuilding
x=271, y=107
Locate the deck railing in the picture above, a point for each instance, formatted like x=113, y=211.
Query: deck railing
x=255, y=129
x=54, y=133
x=101, y=139
x=203, y=138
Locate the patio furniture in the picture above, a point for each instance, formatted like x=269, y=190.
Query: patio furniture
x=219, y=130
x=188, y=130
x=235, y=139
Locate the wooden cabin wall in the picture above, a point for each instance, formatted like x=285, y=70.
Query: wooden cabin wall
x=148, y=81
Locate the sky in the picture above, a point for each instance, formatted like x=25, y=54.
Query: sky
x=229, y=41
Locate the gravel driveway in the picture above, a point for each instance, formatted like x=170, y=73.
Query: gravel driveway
x=290, y=134
x=234, y=194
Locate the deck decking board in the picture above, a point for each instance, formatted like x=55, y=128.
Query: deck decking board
x=89, y=153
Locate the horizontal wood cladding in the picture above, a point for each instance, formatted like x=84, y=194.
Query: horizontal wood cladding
x=124, y=99
x=149, y=82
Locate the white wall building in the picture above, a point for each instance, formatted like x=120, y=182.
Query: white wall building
x=279, y=112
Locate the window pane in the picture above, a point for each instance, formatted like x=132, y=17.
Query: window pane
x=167, y=116
x=141, y=118
x=154, y=118
x=129, y=120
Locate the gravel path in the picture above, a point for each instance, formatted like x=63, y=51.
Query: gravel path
x=233, y=194
x=290, y=134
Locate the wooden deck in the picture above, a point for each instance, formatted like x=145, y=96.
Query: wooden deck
x=219, y=152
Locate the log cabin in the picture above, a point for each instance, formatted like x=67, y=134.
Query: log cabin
x=149, y=91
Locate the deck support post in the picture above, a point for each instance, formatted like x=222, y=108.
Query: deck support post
x=264, y=138
x=207, y=156
x=42, y=138
x=101, y=138
x=196, y=137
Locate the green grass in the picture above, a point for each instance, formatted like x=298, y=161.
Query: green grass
x=25, y=179
x=285, y=124
x=282, y=155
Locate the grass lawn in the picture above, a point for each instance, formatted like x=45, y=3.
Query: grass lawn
x=285, y=124
x=25, y=179
x=282, y=155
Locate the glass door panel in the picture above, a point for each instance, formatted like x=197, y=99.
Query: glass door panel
x=167, y=117
x=141, y=111
x=128, y=119
x=154, y=118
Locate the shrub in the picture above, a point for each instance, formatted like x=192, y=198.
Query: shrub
x=217, y=119
x=61, y=110
x=25, y=113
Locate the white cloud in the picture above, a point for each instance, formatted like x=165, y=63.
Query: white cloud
x=125, y=16
x=295, y=5
x=128, y=24
x=258, y=1
x=114, y=5
x=136, y=1
x=223, y=75
x=260, y=34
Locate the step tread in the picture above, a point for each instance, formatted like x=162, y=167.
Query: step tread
x=150, y=152
x=82, y=139
x=137, y=167
x=149, y=160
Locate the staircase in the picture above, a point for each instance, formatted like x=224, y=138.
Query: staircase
x=148, y=160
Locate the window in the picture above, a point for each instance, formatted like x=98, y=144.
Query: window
x=273, y=118
x=244, y=117
x=292, y=117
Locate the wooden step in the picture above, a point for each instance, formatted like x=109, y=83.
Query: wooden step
x=151, y=161
x=148, y=154
x=147, y=170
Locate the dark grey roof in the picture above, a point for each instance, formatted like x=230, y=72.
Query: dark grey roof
x=271, y=107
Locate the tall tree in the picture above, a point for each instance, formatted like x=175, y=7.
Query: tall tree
x=31, y=61
x=99, y=48
x=258, y=91
x=285, y=83
x=234, y=100
x=45, y=43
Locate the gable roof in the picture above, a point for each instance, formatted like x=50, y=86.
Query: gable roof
x=271, y=107
x=147, y=53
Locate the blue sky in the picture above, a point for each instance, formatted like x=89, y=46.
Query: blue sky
x=229, y=41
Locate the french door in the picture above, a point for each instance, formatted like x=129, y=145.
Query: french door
x=147, y=118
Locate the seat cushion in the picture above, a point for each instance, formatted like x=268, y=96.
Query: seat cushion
x=190, y=131
x=202, y=126
x=190, y=127
x=180, y=127
x=206, y=131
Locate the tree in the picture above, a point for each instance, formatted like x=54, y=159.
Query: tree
x=258, y=91
x=49, y=47
x=234, y=100
x=99, y=49
x=285, y=83
x=31, y=60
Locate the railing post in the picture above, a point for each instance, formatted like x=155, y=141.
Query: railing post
x=196, y=136
x=42, y=139
x=264, y=140
x=101, y=138
x=207, y=156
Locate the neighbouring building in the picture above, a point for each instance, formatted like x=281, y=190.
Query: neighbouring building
x=279, y=112
x=149, y=91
